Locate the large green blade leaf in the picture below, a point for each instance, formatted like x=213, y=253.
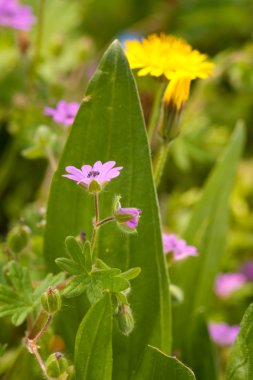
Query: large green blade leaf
x=109, y=126
x=198, y=346
x=240, y=364
x=156, y=365
x=207, y=230
x=93, y=351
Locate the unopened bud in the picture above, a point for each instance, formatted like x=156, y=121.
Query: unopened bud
x=51, y=300
x=56, y=365
x=125, y=319
x=18, y=238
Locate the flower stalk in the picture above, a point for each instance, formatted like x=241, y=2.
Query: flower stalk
x=160, y=162
x=156, y=111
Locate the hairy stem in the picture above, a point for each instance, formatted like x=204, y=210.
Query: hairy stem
x=104, y=221
x=156, y=111
x=94, y=232
x=160, y=162
x=34, y=349
x=44, y=328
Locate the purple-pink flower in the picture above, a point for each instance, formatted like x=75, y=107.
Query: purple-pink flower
x=135, y=212
x=222, y=333
x=14, y=15
x=63, y=113
x=178, y=247
x=100, y=173
x=227, y=283
x=247, y=270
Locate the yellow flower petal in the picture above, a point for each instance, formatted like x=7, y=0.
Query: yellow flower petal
x=177, y=91
x=168, y=56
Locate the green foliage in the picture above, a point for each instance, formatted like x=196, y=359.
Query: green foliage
x=198, y=346
x=207, y=230
x=20, y=299
x=156, y=365
x=95, y=279
x=109, y=126
x=93, y=349
x=240, y=364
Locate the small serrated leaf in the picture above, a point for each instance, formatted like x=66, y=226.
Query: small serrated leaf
x=100, y=264
x=131, y=273
x=20, y=279
x=69, y=265
x=110, y=279
x=87, y=256
x=74, y=249
x=75, y=287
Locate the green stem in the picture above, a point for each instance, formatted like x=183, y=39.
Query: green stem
x=94, y=232
x=106, y=220
x=160, y=162
x=156, y=111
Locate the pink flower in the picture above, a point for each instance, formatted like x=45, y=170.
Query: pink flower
x=222, y=333
x=178, y=247
x=227, y=283
x=131, y=211
x=63, y=113
x=14, y=15
x=98, y=173
x=247, y=270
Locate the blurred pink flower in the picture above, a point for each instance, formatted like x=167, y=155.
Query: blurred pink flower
x=227, y=283
x=64, y=112
x=178, y=247
x=222, y=333
x=101, y=173
x=247, y=270
x=14, y=15
x=133, y=223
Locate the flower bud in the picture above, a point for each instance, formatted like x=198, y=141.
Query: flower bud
x=170, y=126
x=125, y=319
x=56, y=365
x=128, y=218
x=18, y=238
x=177, y=294
x=51, y=300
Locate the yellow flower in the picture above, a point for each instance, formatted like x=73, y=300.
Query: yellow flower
x=172, y=58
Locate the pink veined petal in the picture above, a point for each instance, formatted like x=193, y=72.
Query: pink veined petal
x=98, y=166
x=86, y=169
x=73, y=170
x=86, y=181
x=61, y=105
x=49, y=111
x=71, y=176
x=112, y=174
x=107, y=166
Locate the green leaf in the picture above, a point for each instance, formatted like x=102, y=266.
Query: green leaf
x=93, y=349
x=199, y=346
x=131, y=273
x=207, y=230
x=108, y=279
x=69, y=265
x=76, y=287
x=156, y=365
x=20, y=279
x=75, y=251
x=240, y=363
x=87, y=256
x=110, y=126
